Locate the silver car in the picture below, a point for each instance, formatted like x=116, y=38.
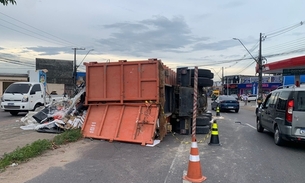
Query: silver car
x=283, y=114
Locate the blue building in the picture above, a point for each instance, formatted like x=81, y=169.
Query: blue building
x=289, y=80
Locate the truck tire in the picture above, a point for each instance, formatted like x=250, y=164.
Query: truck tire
x=36, y=106
x=203, y=121
x=203, y=129
x=203, y=73
x=14, y=113
x=202, y=82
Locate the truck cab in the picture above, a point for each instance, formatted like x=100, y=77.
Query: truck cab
x=23, y=97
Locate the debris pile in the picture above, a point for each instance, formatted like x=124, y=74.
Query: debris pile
x=57, y=116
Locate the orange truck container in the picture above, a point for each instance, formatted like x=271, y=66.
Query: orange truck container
x=126, y=100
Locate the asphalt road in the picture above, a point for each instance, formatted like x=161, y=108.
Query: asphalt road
x=11, y=136
x=245, y=156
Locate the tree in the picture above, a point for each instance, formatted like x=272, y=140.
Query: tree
x=5, y=2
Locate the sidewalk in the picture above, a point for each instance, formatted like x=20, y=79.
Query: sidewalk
x=251, y=106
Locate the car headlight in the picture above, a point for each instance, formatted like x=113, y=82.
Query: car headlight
x=25, y=99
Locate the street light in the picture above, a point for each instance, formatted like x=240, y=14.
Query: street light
x=84, y=58
x=217, y=73
x=260, y=66
x=246, y=49
x=74, y=65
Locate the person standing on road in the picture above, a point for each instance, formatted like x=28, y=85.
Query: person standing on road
x=246, y=99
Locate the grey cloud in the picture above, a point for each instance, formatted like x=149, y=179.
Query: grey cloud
x=221, y=45
x=8, y=55
x=224, y=44
x=50, y=50
x=146, y=36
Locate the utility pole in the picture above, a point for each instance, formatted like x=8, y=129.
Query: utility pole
x=227, y=85
x=259, y=63
x=74, y=65
x=260, y=69
x=222, y=81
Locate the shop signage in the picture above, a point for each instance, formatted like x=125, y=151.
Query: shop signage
x=289, y=72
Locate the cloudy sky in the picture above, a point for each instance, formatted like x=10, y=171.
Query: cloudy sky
x=179, y=32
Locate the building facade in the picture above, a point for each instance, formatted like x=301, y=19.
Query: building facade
x=243, y=84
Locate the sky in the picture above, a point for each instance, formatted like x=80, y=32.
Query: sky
x=180, y=33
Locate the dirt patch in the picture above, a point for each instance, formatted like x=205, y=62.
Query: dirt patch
x=37, y=166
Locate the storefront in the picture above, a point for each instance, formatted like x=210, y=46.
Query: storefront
x=230, y=89
x=252, y=88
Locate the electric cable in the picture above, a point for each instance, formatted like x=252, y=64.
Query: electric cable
x=28, y=34
x=39, y=29
x=284, y=30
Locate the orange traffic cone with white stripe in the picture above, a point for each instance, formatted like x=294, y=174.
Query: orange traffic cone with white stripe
x=194, y=173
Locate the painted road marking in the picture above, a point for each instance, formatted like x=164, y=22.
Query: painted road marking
x=251, y=126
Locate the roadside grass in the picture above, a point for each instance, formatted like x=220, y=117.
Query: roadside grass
x=38, y=147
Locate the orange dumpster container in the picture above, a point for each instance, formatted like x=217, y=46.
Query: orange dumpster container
x=126, y=100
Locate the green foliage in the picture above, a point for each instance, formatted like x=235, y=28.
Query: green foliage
x=5, y=2
x=25, y=153
x=68, y=136
x=38, y=147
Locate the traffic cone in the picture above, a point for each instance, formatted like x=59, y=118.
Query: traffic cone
x=217, y=111
x=214, y=135
x=194, y=173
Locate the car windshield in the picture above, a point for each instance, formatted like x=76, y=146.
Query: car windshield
x=226, y=98
x=18, y=88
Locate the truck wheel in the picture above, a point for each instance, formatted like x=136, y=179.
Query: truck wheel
x=202, y=82
x=203, y=121
x=14, y=113
x=203, y=129
x=36, y=106
x=203, y=73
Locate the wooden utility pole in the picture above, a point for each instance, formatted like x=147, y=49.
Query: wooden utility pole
x=260, y=69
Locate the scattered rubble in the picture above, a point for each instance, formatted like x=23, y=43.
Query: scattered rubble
x=58, y=116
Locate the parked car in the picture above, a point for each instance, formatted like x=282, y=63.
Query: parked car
x=282, y=113
x=235, y=96
x=225, y=103
x=252, y=98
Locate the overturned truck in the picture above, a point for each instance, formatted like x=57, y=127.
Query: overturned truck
x=140, y=101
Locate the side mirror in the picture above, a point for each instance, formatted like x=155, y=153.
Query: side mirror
x=32, y=92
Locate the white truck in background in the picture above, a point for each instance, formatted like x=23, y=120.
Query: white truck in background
x=26, y=96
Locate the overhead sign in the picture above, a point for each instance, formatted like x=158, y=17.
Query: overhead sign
x=289, y=72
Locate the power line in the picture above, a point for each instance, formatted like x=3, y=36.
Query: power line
x=26, y=33
x=17, y=62
x=30, y=31
x=284, y=30
x=39, y=30
x=299, y=43
x=242, y=70
x=285, y=53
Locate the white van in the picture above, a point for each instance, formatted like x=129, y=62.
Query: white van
x=23, y=97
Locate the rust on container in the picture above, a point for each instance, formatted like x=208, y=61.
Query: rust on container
x=134, y=123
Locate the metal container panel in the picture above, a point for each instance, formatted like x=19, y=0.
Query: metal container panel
x=134, y=123
x=122, y=81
